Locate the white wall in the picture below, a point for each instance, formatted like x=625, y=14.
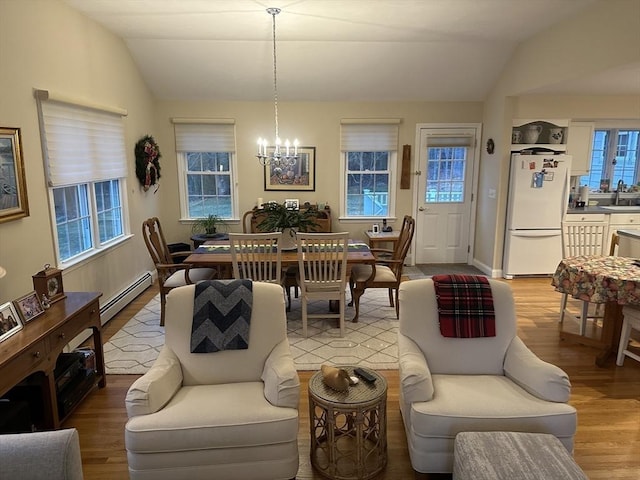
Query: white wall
x=314, y=124
x=44, y=44
x=601, y=37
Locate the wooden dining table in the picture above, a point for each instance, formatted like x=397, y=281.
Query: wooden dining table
x=611, y=280
x=216, y=253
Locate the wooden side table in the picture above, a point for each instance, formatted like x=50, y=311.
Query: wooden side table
x=348, y=429
x=382, y=237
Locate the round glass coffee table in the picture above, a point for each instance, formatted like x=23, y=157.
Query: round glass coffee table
x=348, y=429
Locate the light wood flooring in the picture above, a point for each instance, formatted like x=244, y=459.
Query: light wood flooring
x=607, y=443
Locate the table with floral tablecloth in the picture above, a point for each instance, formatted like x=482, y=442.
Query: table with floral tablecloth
x=612, y=280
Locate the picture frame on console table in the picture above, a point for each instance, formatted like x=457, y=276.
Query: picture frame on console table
x=29, y=306
x=299, y=177
x=10, y=322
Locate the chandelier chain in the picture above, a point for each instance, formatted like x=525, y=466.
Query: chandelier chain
x=275, y=71
x=281, y=156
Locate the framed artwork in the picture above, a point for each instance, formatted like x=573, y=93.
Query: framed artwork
x=299, y=177
x=29, y=306
x=13, y=186
x=9, y=321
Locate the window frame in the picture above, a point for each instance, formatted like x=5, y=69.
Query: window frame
x=183, y=189
x=609, y=154
x=97, y=247
x=369, y=136
x=344, y=180
x=78, y=133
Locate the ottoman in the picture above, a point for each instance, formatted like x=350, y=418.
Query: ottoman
x=512, y=456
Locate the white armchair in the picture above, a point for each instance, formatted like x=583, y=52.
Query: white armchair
x=452, y=385
x=227, y=414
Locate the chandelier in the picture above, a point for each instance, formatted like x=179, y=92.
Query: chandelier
x=282, y=155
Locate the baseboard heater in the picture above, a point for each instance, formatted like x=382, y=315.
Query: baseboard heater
x=115, y=304
x=123, y=298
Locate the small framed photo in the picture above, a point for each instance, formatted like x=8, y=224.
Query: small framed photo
x=292, y=204
x=9, y=321
x=29, y=306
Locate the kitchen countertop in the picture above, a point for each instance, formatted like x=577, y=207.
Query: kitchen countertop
x=629, y=233
x=608, y=209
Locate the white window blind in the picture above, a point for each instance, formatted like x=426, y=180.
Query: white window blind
x=81, y=144
x=444, y=141
x=369, y=136
x=205, y=137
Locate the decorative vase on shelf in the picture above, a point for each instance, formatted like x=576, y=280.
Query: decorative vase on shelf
x=531, y=133
x=555, y=135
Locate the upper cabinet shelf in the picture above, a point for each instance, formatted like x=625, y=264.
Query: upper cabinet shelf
x=550, y=134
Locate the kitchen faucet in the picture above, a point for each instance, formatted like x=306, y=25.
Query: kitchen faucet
x=618, y=191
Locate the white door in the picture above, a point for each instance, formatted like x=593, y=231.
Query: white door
x=447, y=157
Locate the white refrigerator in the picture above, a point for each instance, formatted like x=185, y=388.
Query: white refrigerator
x=537, y=202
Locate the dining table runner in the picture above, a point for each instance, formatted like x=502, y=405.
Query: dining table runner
x=226, y=248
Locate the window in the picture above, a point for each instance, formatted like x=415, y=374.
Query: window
x=206, y=156
x=369, y=155
x=615, y=156
x=85, y=162
x=447, y=163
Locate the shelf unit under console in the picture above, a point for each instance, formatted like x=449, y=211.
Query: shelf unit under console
x=29, y=358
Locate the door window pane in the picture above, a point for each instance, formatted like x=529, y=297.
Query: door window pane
x=446, y=168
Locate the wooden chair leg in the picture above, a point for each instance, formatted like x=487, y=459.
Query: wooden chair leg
x=356, y=293
x=563, y=307
x=391, y=297
x=162, y=303
x=397, y=305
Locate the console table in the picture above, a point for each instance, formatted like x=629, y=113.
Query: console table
x=37, y=346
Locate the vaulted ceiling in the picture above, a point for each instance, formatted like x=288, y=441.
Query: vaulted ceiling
x=336, y=50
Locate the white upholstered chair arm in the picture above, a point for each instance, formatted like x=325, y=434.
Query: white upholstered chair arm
x=539, y=378
x=415, y=376
x=154, y=389
x=281, y=382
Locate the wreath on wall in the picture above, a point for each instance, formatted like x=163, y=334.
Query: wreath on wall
x=148, y=162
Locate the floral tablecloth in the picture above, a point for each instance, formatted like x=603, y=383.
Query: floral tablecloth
x=599, y=279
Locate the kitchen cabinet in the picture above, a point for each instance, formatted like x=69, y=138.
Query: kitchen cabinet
x=621, y=221
x=590, y=218
x=579, y=146
x=612, y=222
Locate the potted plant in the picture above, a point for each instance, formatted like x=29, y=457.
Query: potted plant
x=278, y=218
x=207, y=225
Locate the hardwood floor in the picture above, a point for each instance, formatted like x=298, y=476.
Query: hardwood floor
x=607, y=443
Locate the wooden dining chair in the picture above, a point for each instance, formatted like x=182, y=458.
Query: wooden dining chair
x=581, y=238
x=322, y=273
x=171, y=273
x=256, y=256
x=388, y=269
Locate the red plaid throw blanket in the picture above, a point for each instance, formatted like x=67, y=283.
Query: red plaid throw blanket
x=465, y=305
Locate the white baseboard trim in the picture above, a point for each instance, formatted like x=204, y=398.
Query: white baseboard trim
x=116, y=303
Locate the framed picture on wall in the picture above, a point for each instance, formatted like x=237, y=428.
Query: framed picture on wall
x=298, y=177
x=13, y=186
x=9, y=321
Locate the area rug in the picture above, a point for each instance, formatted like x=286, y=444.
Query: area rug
x=371, y=342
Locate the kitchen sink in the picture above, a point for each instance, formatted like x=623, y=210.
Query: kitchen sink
x=622, y=208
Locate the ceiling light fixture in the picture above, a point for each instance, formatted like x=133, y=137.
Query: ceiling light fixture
x=282, y=155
